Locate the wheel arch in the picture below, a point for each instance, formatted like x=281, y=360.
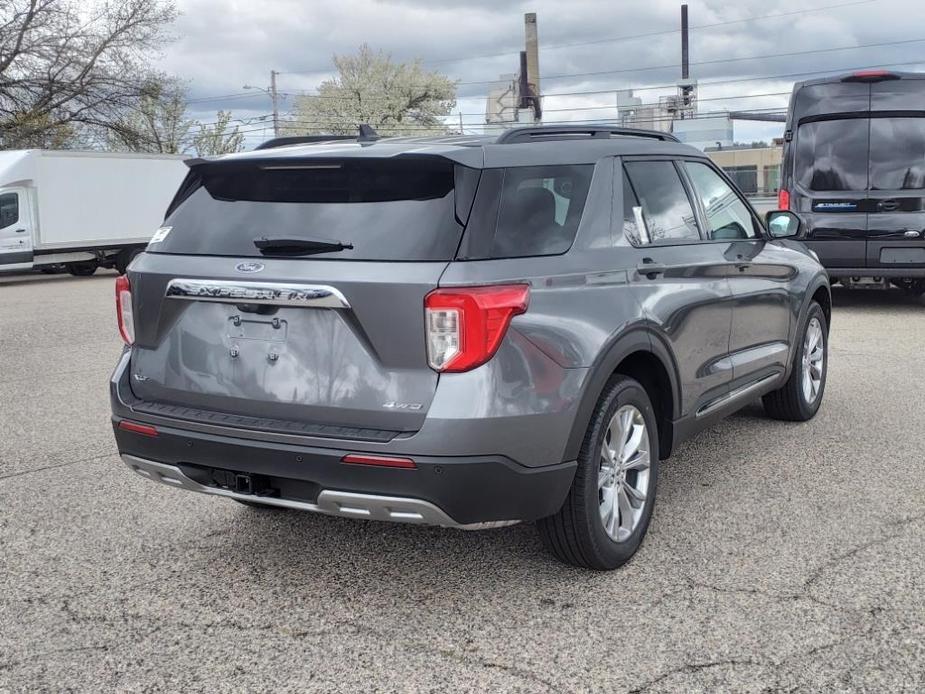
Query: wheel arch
x=641, y=355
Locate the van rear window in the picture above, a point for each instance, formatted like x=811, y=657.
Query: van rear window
x=387, y=209
x=897, y=153
x=832, y=155
x=859, y=154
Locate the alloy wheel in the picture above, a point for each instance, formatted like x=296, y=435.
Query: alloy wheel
x=623, y=477
x=813, y=360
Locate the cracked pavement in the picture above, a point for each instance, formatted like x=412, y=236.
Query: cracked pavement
x=781, y=557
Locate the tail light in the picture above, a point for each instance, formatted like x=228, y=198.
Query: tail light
x=136, y=428
x=783, y=199
x=465, y=326
x=124, y=309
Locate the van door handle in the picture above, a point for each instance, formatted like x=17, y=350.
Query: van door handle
x=911, y=234
x=888, y=205
x=20, y=231
x=650, y=268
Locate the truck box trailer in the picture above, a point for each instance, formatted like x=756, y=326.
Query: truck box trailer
x=81, y=210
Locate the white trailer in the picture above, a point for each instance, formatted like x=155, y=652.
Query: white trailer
x=81, y=210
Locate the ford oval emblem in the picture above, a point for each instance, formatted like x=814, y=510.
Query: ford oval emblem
x=249, y=267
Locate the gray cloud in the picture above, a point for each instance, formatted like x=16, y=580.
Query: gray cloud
x=223, y=44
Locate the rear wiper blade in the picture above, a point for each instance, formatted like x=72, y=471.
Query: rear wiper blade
x=299, y=246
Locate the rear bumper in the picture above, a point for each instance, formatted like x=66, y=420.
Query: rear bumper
x=449, y=491
x=889, y=272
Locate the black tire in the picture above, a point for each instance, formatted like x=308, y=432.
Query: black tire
x=788, y=402
x=84, y=269
x=124, y=258
x=576, y=534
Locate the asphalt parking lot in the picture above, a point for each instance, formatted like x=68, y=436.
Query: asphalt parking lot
x=781, y=557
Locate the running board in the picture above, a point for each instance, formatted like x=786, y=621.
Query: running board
x=734, y=395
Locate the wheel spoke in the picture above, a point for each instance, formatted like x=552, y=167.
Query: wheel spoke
x=634, y=442
x=637, y=498
x=616, y=435
x=626, y=424
x=627, y=516
x=603, y=477
x=640, y=461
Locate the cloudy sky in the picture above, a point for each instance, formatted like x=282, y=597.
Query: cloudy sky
x=588, y=49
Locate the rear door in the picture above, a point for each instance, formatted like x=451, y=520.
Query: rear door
x=328, y=343
x=15, y=229
x=896, y=207
x=830, y=187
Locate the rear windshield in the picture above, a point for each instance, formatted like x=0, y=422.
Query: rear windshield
x=859, y=154
x=391, y=209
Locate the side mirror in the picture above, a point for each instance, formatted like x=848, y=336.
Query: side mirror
x=782, y=224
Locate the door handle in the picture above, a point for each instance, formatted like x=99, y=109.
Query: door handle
x=650, y=268
x=20, y=231
x=888, y=205
x=911, y=234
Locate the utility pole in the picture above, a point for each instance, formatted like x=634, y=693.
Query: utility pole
x=275, y=97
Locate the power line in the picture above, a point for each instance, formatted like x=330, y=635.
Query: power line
x=631, y=37
x=713, y=62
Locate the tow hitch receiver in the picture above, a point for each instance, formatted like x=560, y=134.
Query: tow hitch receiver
x=243, y=484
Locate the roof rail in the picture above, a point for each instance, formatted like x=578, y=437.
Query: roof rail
x=565, y=132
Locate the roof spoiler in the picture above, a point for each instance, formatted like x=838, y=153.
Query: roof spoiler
x=366, y=133
x=571, y=132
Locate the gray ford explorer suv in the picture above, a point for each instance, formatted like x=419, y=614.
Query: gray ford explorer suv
x=461, y=331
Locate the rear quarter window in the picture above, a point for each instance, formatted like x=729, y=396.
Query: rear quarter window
x=527, y=211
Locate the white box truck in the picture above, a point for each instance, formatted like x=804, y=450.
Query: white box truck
x=81, y=210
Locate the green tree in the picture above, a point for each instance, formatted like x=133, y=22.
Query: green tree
x=75, y=66
x=157, y=124
x=395, y=98
x=218, y=137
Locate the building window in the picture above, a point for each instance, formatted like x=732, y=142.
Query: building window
x=746, y=177
x=771, y=178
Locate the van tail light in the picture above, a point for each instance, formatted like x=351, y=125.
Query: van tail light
x=124, y=309
x=871, y=76
x=783, y=199
x=465, y=325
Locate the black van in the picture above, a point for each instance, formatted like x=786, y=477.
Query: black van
x=854, y=170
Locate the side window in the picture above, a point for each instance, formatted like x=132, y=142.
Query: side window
x=9, y=209
x=540, y=209
x=728, y=217
x=665, y=208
